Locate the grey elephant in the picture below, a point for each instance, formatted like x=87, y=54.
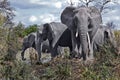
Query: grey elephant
x=103, y=35
x=30, y=41
x=59, y=35
x=85, y=22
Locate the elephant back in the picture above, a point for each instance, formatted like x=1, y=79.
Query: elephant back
x=67, y=15
x=57, y=28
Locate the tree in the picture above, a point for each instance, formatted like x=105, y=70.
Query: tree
x=2, y=19
x=30, y=29
x=86, y=2
x=111, y=25
x=19, y=29
x=7, y=11
x=100, y=4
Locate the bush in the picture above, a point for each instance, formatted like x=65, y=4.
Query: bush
x=16, y=70
x=117, y=36
x=30, y=29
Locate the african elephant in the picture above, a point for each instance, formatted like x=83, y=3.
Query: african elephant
x=30, y=41
x=84, y=21
x=103, y=35
x=53, y=31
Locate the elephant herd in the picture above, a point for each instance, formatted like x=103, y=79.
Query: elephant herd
x=80, y=29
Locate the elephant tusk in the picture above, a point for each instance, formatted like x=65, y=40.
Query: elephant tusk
x=88, y=40
x=76, y=34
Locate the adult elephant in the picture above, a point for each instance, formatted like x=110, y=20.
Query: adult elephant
x=57, y=37
x=54, y=33
x=30, y=41
x=104, y=35
x=84, y=21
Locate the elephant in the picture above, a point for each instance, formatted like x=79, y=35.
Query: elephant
x=103, y=35
x=58, y=35
x=85, y=22
x=30, y=41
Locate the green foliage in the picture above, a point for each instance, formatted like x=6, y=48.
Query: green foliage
x=49, y=73
x=117, y=36
x=21, y=31
x=2, y=19
x=16, y=70
x=64, y=69
x=30, y=29
x=105, y=67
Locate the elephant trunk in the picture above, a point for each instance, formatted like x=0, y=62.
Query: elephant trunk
x=83, y=30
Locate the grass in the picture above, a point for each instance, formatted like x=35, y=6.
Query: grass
x=105, y=67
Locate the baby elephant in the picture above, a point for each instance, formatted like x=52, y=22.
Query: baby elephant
x=30, y=41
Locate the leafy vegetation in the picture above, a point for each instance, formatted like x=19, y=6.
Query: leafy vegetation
x=105, y=67
x=30, y=29
x=22, y=31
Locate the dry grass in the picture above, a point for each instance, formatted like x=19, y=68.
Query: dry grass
x=105, y=67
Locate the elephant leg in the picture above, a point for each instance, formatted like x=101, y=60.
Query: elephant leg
x=22, y=54
x=74, y=43
x=39, y=49
x=55, y=51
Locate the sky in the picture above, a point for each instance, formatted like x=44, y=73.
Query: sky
x=42, y=11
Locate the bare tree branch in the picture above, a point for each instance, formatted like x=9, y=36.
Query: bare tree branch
x=111, y=25
x=100, y=4
x=104, y=4
x=86, y=2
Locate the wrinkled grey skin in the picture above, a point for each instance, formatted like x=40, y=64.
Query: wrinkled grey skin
x=53, y=31
x=30, y=41
x=102, y=36
x=65, y=40
x=85, y=21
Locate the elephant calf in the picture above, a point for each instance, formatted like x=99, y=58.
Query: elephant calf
x=30, y=41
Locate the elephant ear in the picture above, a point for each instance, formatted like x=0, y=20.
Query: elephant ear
x=57, y=30
x=68, y=15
